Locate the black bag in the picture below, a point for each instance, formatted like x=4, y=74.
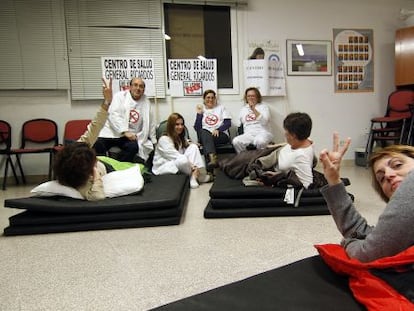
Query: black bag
x=275, y=178
x=319, y=180
x=237, y=166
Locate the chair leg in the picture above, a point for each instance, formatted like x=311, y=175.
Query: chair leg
x=13, y=170
x=6, y=170
x=5, y=174
x=410, y=132
x=369, y=146
x=368, y=152
x=50, y=165
x=402, y=134
x=19, y=164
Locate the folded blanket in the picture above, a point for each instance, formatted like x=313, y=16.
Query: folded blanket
x=385, y=284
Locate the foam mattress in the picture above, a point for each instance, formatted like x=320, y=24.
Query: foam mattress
x=231, y=198
x=161, y=202
x=308, y=284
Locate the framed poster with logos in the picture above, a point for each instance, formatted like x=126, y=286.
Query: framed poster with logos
x=353, y=60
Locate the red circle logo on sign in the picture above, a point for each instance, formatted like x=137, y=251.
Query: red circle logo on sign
x=250, y=117
x=133, y=116
x=211, y=119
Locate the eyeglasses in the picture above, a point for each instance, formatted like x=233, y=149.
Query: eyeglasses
x=140, y=86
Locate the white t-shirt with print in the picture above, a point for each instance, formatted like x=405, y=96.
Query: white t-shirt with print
x=135, y=116
x=213, y=118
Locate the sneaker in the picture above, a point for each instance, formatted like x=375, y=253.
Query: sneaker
x=253, y=175
x=193, y=183
x=206, y=178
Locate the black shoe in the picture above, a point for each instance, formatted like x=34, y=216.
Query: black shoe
x=138, y=159
x=251, y=147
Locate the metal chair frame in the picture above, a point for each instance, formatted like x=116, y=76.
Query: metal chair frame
x=39, y=132
x=5, y=149
x=392, y=126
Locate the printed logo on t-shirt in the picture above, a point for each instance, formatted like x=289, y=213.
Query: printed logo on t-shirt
x=133, y=116
x=250, y=117
x=211, y=119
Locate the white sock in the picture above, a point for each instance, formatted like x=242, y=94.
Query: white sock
x=193, y=183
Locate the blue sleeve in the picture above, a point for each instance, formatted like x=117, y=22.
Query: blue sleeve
x=198, y=122
x=225, y=126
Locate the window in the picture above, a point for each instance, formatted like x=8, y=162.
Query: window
x=124, y=28
x=32, y=45
x=58, y=44
x=201, y=30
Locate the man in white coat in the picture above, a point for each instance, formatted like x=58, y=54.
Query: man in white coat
x=130, y=125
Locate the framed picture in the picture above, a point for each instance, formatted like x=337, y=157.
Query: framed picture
x=309, y=57
x=353, y=60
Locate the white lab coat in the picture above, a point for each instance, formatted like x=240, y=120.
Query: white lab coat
x=118, y=122
x=168, y=160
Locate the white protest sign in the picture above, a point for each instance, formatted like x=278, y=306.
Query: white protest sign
x=267, y=75
x=191, y=77
x=123, y=69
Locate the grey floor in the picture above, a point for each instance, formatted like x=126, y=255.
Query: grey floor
x=139, y=269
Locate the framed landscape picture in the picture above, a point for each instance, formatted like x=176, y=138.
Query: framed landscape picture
x=309, y=57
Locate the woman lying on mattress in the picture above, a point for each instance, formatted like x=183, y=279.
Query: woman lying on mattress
x=393, y=178
x=76, y=164
x=174, y=153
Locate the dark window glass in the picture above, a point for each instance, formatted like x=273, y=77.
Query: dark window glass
x=200, y=30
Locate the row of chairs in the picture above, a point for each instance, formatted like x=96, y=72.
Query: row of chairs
x=37, y=136
x=41, y=136
x=396, y=126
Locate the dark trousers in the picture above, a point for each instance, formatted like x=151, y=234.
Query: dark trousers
x=129, y=148
x=210, y=142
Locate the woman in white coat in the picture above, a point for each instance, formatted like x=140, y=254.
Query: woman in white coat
x=174, y=153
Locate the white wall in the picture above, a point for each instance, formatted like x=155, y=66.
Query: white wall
x=348, y=113
x=276, y=20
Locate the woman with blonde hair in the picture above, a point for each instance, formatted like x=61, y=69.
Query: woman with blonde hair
x=393, y=178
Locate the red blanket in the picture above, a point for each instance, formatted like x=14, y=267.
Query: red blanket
x=369, y=289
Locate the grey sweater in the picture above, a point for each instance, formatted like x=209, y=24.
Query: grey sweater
x=393, y=233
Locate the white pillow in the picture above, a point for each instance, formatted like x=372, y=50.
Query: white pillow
x=115, y=184
x=51, y=188
x=118, y=183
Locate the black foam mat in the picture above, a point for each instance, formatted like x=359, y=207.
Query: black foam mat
x=87, y=226
x=226, y=187
x=35, y=218
x=162, y=191
x=229, y=198
x=150, y=210
x=307, y=285
x=259, y=211
x=264, y=202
